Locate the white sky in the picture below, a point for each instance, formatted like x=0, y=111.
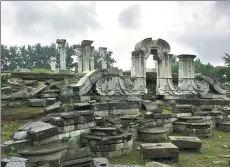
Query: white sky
x=189, y=27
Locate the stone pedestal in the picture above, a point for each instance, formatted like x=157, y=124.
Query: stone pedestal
x=53, y=63
x=186, y=78
x=156, y=134
x=62, y=52
x=223, y=125
x=159, y=151
x=186, y=143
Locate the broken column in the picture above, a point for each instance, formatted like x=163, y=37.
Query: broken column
x=103, y=52
x=186, y=76
x=85, y=56
x=53, y=63
x=61, y=46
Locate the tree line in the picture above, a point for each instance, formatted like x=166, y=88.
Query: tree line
x=38, y=56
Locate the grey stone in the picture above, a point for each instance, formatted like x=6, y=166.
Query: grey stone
x=44, y=153
x=185, y=142
x=156, y=134
x=54, y=108
x=159, y=150
x=13, y=162
x=12, y=145
x=50, y=101
x=156, y=164
x=99, y=162
x=20, y=135
x=37, y=102
x=217, y=162
x=40, y=130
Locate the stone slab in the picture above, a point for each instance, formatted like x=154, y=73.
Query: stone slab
x=186, y=142
x=159, y=150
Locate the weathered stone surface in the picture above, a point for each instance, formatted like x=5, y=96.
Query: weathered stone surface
x=66, y=128
x=105, y=131
x=82, y=162
x=13, y=162
x=36, y=102
x=76, y=153
x=40, y=130
x=44, y=153
x=223, y=125
x=85, y=126
x=50, y=101
x=54, y=108
x=20, y=135
x=11, y=145
x=156, y=164
x=99, y=162
x=156, y=134
x=185, y=142
x=159, y=150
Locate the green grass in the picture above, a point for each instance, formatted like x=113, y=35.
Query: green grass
x=211, y=151
x=41, y=70
x=14, y=118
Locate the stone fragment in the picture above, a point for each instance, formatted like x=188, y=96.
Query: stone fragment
x=156, y=164
x=185, y=142
x=99, y=162
x=36, y=102
x=39, y=130
x=50, y=101
x=13, y=162
x=217, y=162
x=159, y=150
x=48, y=152
x=20, y=135
x=54, y=108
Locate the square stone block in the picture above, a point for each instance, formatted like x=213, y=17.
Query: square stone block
x=186, y=142
x=159, y=150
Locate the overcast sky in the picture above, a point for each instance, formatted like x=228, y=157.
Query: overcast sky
x=201, y=28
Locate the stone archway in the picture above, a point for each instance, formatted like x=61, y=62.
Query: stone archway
x=159, y=49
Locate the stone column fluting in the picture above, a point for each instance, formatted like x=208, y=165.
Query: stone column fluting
x=186, y=78
x=61, y=46
x=87, y=54
x=79, y=54
x=103, y=51
x=53, y=63
x=164, y=76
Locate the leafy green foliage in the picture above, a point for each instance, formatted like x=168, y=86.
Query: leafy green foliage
x=226, y=59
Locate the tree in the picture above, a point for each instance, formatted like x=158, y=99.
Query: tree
x=226, y=59
x=108, y=58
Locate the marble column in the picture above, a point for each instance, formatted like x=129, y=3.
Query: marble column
x=62, y=53
x=103, y=52
x=164, y=76
x=53, y=63
x=186, y=76
x=87, y=53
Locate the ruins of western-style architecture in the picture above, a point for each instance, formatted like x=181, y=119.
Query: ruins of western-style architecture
x=100, y=114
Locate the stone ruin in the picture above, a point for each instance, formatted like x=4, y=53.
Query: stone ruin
x=111, y=112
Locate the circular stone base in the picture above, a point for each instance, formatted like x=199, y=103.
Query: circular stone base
x=153, y=134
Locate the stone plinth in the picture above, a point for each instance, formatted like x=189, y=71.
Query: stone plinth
x=156, y=134
x=13, y=162
x=223, y=125
x=186, y=78
x=186, y=142
x=44, y=153
x=109, y=146
x=193, y=126
x=159, y=151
